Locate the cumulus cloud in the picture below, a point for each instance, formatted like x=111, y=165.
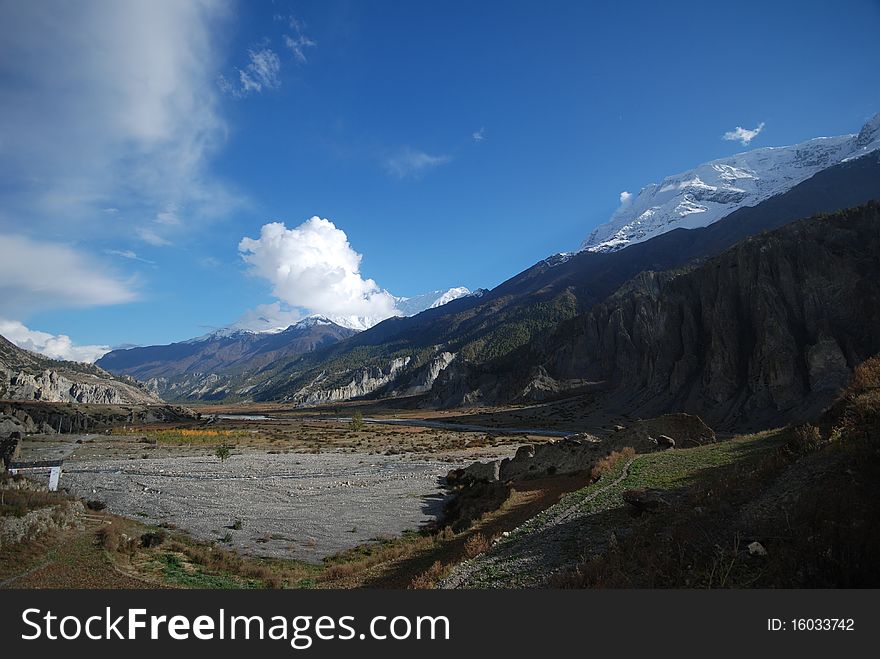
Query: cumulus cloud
x=56, y=346
x=625, y=197
x=313, y=267
x=743, y=135
x=42, y=275
x=407, y=162
x=110, y=108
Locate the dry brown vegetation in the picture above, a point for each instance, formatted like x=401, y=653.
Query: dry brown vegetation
x=604, y=465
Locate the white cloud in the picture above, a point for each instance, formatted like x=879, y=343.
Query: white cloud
x=743, y=135
x=127, y=254
x=151, y=237
x=411, y=162
x=261, y=73
x=298, y=42
x=266, y=317
x=479, y=135
x=56, y=346
x=168, y=217
x=625, y=197
x=110, y=105
x=313, y=267
x=42, y=275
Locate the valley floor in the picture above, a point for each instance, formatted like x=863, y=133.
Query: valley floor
x=310, y=499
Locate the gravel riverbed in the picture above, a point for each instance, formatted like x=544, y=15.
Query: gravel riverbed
x=295, y=505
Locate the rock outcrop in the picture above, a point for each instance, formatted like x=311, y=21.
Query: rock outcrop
x=363, y=382
x=27, y=376
x=571, y=455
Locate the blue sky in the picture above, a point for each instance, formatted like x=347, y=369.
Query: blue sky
x=454, y=143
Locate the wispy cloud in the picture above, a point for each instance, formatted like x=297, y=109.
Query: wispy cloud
x=479, y=135
x=297, y=42
x=261, y=73
x=55, y=346
x=115, y=116
x=151, y=237
x=36, y=275
x=409, y=162
x=127, y=254
x=743, y=135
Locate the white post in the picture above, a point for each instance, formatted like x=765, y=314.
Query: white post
x=54, y=477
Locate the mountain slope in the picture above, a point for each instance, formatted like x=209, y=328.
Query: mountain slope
x=481, y=329
x=766, y=332
x=207, y=365
x=705, y=194
x=28, y=376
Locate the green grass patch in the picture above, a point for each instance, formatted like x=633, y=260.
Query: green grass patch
x=175, y=571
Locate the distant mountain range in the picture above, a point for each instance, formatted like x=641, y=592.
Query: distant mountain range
x=510, y=343
x=203, y=368
x=713, y=190
x=214, y=366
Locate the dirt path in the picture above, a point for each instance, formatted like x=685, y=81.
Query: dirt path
x=549, y=542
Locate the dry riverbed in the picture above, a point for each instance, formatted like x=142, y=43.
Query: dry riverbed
x=303, y=506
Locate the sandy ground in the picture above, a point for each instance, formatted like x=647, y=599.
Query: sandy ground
x=300, y=506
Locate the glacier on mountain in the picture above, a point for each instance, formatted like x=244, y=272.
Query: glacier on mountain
x=713, y=190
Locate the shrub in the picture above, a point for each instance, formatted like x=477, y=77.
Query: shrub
x=153, y=539
x=866, y=376
x=605, y=464
x=222, y=452
x=475, y=545
x=357, y=421
x=804, y=439
x=430, y=577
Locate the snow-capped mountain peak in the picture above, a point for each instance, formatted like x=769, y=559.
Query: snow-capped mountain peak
x=715, y=189
x=410, y=306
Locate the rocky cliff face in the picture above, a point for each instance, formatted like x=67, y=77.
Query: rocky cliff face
x=364, y=381
x=767, y=331
x=28, y=376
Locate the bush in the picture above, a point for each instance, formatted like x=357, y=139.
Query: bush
x=222, y=452
x=430, y=577
x=605, y=464
x=475, y=545
x=804, y=439
x=153, y=539
x=357, y=421
x=866, y=376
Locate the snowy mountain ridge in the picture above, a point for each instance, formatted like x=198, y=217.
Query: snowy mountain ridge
x=713, y=190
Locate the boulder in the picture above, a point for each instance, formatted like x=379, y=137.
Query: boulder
x=757, y=549
x=645, y=499
x=665, y=441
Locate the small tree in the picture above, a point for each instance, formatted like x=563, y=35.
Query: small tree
x=222, y=452
x=357, y=421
